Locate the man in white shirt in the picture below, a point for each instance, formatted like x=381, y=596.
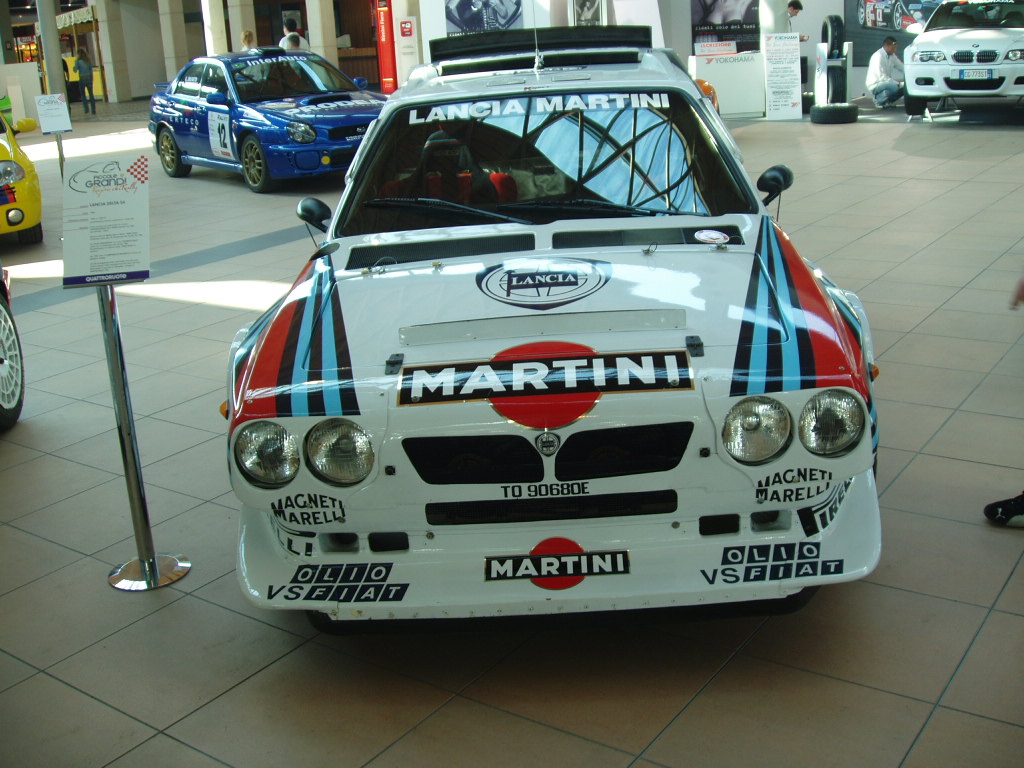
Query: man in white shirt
x=292, y=27
x=885, y=75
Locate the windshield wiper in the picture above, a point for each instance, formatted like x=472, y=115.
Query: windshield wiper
x=584, y=204
x=437, y=205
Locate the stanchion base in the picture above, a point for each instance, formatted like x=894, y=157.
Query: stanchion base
x=131, y=576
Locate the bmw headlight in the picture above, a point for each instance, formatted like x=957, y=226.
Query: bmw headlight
x=303, y=133
x=831, y=423
x=926, y=57
x=267, y=454
x=756, y=429
x=1015, y=55
x=10, y=172
x=339, y=452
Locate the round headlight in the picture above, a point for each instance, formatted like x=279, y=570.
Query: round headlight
x=756, y=429
x=339, y=452
x=831, y=423
x=303, y=133
x=11, y=172
x=267, y=454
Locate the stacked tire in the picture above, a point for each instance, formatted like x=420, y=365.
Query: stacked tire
x=837, y=110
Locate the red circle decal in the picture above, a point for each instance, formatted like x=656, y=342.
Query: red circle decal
x=557, y=546
x=539, y=411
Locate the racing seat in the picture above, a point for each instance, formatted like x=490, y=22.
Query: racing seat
x=448, y=171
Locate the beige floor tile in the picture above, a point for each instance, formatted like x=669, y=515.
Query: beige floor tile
x=998, y=396
x=165, y=389
x=995, y=440
x=12, y=454
x=81, y=608
x=896, y=641
x=43, y=481
x=100, y=517
x=38, y=402
x=575, y=689
x=764, y=714
x=969, y=562
x=1012, y=599
x=13, y=671
x=79, y=732
x=925, y=384
x=890, y=291
x=951, y=488
x=64, y=426
x=89, y=381
x=894, y=317
x=960, y=354
x=346, y=711
x=465, y=734
x=227, y=593
x=1012, y=363
x=956, y=739
x=188, y=471
x=971, y=300
x=1006, y=327
x=891, y=463
x=163, y=752
x=29, y=557
x=908, y=426
x=172, y=662
x=988, y=683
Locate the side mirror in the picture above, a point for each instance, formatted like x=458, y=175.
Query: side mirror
x=217, y=98
x=361, y=83
x=775, y=181
x=314, y=212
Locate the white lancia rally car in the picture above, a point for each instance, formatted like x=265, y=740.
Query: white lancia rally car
x=554, y=355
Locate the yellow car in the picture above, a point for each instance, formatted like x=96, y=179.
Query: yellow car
x=21, y=203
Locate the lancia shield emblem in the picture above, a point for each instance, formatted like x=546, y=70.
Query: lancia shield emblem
x=547, y=443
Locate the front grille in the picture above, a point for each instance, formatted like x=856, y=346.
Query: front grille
x=987, y=57
x=974, y=85
x=970, y=57
x=558, y=508
x=474, y=459
x=963, y=57
x=622, y=451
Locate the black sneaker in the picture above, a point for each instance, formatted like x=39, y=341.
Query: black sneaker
x=1002, y=512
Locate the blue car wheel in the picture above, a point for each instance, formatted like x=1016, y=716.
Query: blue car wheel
x=254, y=166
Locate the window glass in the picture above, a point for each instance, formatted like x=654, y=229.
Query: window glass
x=188, y=83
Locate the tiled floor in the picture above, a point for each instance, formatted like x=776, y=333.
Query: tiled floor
x=920, y=665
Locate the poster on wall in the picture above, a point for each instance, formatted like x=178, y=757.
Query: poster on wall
x=465, y=16
x=587, y=13
x=736, y=21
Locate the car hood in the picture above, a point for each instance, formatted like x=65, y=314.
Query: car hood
x=751, y=318
x=324, y=106
x=965, y=38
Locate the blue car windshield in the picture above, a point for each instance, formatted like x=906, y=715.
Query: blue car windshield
x=286, y=76
x=545, y=157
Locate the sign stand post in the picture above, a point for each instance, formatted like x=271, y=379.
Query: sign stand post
x=149, y=570
x=106, y=242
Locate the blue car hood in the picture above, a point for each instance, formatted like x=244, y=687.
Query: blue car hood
x=325, y=105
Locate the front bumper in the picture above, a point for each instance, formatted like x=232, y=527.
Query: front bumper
x=935, y=81
x=565, y=566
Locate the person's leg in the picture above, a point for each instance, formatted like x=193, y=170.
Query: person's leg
x=86, y=88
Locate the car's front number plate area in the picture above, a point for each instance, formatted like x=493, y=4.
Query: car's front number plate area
x=975, y=74
x=541, y=490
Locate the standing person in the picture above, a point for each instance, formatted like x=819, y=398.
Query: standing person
x=248, y=40
x=291, y=27
x=84, y=69
x=792, y=11
x=292, y=42
x=885, y=75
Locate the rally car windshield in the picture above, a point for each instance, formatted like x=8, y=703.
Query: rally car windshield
x=544, y=158
x=286, y=76
x=968, y=15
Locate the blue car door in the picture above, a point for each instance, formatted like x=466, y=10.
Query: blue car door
x=214, y=129
x=184, y=108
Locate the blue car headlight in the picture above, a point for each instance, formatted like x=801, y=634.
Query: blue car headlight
x=302, y=133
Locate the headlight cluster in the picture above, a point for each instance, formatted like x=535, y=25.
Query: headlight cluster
x=926, y=57
x=303, y=133
x=337, y=451
x=758, y=429
x=1015, y=55
x=10, y=172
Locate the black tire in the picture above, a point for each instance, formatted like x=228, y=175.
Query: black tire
x=862, y=13
x=833, y=33
x=170, y=155
x=254, y=166
x=31, y=236
x=896, y=17
x=833, y=114
x=836, y=85
x=914, y=105
x=807, y=97
x=12, y=369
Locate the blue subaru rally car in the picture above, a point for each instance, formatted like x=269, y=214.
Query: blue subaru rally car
x=267, y=113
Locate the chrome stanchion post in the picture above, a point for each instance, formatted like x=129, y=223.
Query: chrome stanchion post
x=149, y=570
